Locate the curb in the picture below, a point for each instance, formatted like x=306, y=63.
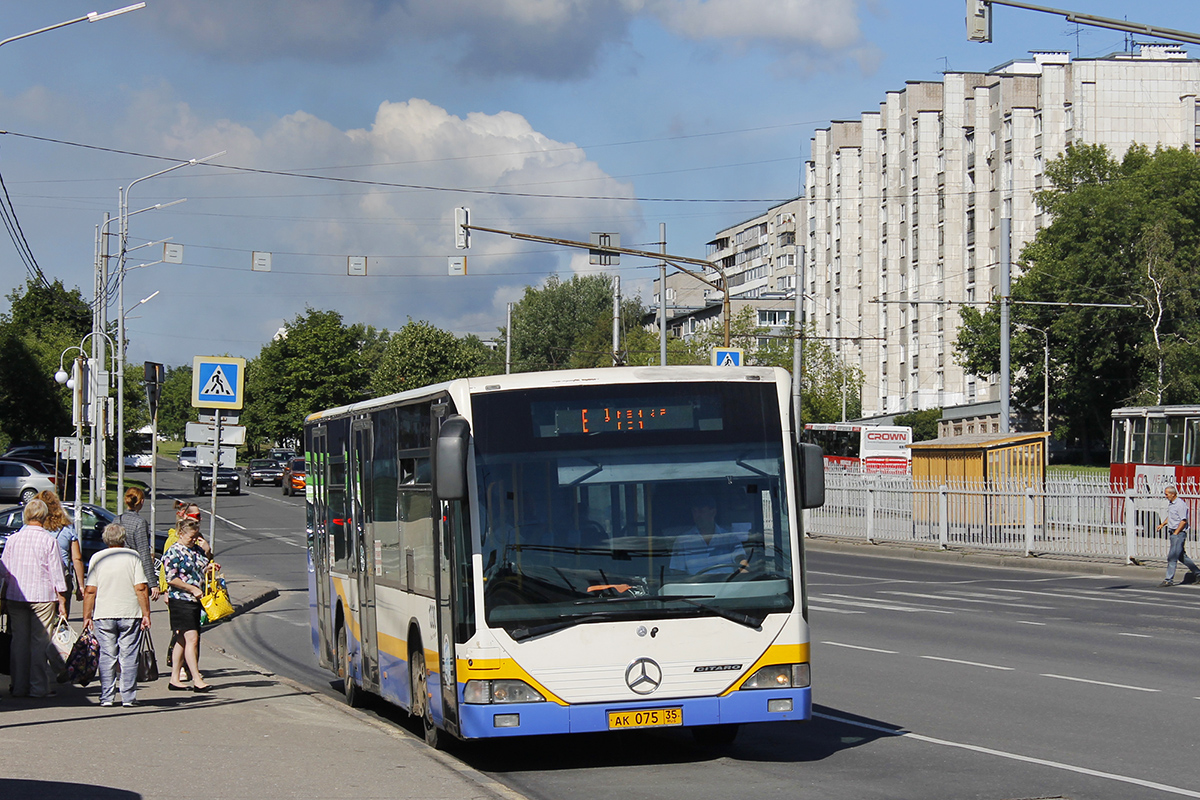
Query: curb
x=1015, y=561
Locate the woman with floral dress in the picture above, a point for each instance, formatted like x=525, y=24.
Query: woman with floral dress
x=185, y=566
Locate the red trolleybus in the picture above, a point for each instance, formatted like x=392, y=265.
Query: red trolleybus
x=1155, y=445
x=862, y=448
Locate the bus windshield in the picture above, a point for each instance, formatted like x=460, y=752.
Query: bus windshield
x=647, y=502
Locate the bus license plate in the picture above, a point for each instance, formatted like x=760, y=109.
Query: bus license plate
x=646, y=718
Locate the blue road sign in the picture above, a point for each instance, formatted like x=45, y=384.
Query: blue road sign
x=728, y=356
x=218, y=382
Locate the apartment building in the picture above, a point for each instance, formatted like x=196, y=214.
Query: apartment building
x=904, y=204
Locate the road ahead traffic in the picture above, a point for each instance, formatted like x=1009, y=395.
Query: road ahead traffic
x=931, y=680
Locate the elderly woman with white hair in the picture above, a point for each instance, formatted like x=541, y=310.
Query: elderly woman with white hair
x=116, y=604
x=31, y=575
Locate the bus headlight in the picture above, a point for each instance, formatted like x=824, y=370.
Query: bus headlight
x=779, y=676
x=500, y=691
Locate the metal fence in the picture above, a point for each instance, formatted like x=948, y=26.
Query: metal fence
x=1084, y=516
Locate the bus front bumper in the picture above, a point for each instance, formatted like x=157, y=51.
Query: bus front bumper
x=528, y=719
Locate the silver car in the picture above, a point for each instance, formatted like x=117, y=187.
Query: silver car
x=187, y=458
x=21, y=482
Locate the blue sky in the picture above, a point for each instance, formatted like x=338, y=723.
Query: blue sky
x=588, y=115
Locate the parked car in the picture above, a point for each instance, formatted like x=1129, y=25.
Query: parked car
x=228, y=480
x=92, y=518
x=293, y=477
x=187, y=458
x=38, y=451
x=264, y=470
x=20, y=481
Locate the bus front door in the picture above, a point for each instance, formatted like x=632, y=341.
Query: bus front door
x=362, y=533
x=318, y=478
x=444, y=523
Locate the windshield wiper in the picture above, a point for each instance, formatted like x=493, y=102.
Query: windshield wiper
x=754, y=623
x=521, y=634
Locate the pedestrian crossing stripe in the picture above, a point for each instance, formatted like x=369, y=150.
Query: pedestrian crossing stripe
x=218, y=384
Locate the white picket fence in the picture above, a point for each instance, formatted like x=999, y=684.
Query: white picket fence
x=1082, y=516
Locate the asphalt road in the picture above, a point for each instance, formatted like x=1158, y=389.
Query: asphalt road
x=932, y=680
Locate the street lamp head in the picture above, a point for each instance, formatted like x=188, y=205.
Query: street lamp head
x=71, y=384
x=61, y=377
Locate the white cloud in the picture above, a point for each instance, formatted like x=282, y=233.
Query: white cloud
x=829, y=24
x=548, y=39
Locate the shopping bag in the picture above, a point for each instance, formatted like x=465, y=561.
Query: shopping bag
x=147, y=661
x=5, y=645
x=215, y=600
x=83, y=660
x=62, y=639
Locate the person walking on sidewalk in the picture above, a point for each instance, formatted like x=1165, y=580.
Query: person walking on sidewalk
x=116, y=603
x=1176, y=523
x=137, y=532
x=58, y=525
x=185, y=568
x=34, y=588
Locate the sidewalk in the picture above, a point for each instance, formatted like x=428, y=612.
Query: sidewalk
x=255, y=736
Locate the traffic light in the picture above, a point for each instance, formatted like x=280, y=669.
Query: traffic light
x=153, y=376
x=979, y=20
x=462, y=235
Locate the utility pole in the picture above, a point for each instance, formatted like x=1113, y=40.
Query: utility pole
x=662, y=296
x=616, y=342
x=1005, y=291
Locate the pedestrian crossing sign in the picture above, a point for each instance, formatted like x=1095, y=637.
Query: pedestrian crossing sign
x=218, y=382
x=728, y=357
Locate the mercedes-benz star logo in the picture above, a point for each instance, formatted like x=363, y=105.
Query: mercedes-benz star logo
x=643, y=676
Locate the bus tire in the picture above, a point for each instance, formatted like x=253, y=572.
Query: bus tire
x=349, y=688
x=715, y=735
x=418, y=681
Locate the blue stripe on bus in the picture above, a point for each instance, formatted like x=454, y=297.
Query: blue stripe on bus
x=540, y=718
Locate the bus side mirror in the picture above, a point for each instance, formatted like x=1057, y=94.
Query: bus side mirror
x=450, y=478
x=810, y=477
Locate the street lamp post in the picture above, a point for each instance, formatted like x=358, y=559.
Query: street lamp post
x=1045, y=374
x=91, y=17
x=75, y=382
x=124, y=215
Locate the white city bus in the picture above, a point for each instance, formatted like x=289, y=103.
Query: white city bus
x=517, y=554
x=862, y=448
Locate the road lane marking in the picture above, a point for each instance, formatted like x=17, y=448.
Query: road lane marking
x=1100, y=683
x=1083, y=597
x=968, y=663
x=956, y=599
x=228, y=521
x=879, y=605
x=1137, y=635
x=834, y=610
x=1112, y=776
x=1027, y=622
x=860, y=647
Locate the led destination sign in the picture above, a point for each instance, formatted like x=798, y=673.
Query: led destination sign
x=625, y=415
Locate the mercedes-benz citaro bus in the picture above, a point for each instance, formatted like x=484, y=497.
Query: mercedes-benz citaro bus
x=558, y=552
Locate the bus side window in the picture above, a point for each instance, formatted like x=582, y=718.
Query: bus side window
x=384, y=481
x=337, y=511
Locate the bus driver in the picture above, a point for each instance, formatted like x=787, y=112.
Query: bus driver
x=706, y=546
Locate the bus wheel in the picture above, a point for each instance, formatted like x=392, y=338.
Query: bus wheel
x=418, y=679
x=715, y=735
x=349, y=687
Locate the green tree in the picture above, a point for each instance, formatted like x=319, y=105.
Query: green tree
x=924, y=423
x=1123, y=232
x=175, y=402
x=555, y=326
x=316, y=364
x=41, y=323
x=420, y=354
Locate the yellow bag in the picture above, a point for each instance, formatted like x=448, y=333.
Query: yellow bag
x=215, y=599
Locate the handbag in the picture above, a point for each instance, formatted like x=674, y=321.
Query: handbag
x=83, y=660
x=62, y=641
x=147, y=661
x=215, y=600
x=5, y=646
